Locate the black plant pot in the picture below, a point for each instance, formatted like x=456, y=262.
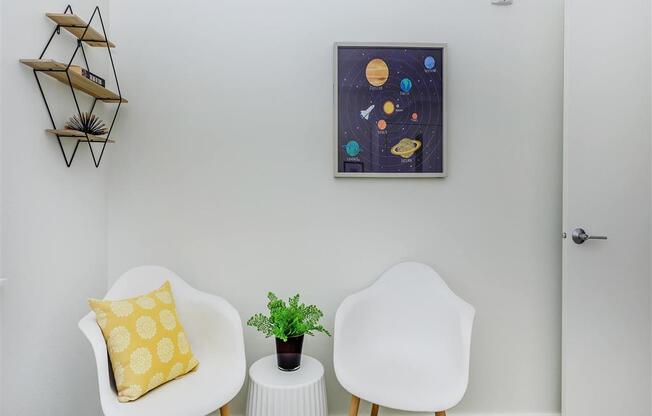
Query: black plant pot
x=288, y=353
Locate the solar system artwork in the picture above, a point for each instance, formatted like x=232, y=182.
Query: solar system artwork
x=390, y=110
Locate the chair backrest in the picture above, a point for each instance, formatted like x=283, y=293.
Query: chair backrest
x=404, y=342
x=144, y=279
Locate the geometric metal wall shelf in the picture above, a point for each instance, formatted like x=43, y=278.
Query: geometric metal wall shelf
x=68, y=74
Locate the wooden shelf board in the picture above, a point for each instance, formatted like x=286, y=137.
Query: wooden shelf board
x=76, y=25
x=78, y=135
x=57, y=70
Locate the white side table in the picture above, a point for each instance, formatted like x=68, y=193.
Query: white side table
x=273, y=392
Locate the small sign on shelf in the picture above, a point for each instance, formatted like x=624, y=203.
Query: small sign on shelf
x=88, y=75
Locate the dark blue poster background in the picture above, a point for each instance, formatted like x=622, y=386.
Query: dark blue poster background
x=390, y=109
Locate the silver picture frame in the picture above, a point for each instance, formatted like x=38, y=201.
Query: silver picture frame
x=336, y=172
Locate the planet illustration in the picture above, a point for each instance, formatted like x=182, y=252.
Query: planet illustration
x=389, y=107
x=352, y=148
x=406, y=84
x=429, y=62
x=377, y=72
x=382, y=124
x=414, y=116
x=406, y=148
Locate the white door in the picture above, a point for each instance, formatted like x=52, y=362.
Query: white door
x=606, y=283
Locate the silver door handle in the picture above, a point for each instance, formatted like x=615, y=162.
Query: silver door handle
x=580, y=236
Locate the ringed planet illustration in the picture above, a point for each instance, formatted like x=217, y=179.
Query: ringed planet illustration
x=406, y=84
x=406, y=148
x=352, y=148
x=389, y=107
x=429, y=62
x=377, y=72
x=382, y=124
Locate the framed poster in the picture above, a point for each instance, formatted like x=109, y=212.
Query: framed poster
x=390, y=110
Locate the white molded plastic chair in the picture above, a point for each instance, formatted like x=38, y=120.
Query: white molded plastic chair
x=404, y=342
x=215, y=333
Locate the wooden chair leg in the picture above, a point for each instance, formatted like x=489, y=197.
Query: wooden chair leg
x=355, y=405
x=374, y=409
x=225, y=411
x=442, y=413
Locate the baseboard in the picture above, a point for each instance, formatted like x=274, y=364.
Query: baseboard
x=387, y=412
x=453, y=413
x=395, y=413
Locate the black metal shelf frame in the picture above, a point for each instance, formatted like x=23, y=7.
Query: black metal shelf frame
x=80, y=45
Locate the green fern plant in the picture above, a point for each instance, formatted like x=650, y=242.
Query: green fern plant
x=288, y=320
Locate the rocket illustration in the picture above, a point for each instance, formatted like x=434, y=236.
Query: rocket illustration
x=365, y=113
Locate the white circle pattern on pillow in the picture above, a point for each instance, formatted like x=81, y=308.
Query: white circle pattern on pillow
x=192, y=364
x=182, y=343
x=101, y=318
x=175, y=371
x=146, y=302
x=146, y=327
x=119, y=375
x=167, y=319
x=133, y=391
x=165, y=350
x=121, y=309
x=164, y=297
x=140, y=361
x=156, y=380
x=119, y=339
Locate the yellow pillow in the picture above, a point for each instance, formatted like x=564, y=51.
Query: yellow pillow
x=146, y=341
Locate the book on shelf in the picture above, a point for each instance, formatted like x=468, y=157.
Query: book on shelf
x=88, y=75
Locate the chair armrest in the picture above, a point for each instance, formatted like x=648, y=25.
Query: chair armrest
x=214, y=328
x=89, y=327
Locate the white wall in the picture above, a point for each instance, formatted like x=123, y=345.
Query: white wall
x=53, y=229
x=1, y=278
x=223, y=170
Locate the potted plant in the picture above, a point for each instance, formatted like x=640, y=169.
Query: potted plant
x=288, y=323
